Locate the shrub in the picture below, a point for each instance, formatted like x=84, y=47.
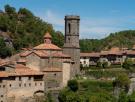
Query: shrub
x=105, y=65
x=73, y=85
x=128, y=64
x=99, y=64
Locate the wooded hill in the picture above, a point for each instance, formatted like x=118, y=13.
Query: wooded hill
x=26, y=30
x=122, y=39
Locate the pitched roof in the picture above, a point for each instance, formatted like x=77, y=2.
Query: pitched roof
x=21, y=70
x=52, y=70
x=26, y=53
x=3, y=74
x=47, y=35
x=130, y=52
x=92, y=54
x=59, y=54
x=46, y=46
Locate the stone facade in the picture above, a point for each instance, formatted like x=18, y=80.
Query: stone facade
x=14, y=85
x=71, y=45
x=21, y=85
x=113, y=56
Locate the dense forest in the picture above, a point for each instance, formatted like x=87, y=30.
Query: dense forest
x=26, y=30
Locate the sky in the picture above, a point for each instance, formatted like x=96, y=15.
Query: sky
x=99, y=18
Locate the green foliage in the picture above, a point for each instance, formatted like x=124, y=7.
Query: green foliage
x=105, y=65
x=128, y=64
x=26, y=29
x=99, y=64
x=89, y=91
x=73, y=85
x=123, y=81
x=4, y=51
x=118, y=39
x=123, y=97
x=104, y=73
x=131, y=98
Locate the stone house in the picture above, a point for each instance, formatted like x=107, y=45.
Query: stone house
x=115, y=56
x=14, y=85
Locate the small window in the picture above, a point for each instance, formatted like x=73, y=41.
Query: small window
x=1, y=96
x=19, y=85
x=0, y=86
x=35, y=84
x=10, y=85
x=1, y=101
x=29, y=78
x=29, y=84
x=69, y=28
x=40, y=84
x=3, y=86
x=19, y=78
x=24, y=85
x=55, y=74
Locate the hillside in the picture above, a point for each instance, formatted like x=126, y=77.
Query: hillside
x=120, y=39
x=25, y=29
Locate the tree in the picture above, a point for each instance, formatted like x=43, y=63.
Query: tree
x=73, y=85
x=105, y=64
x=122, y=81
x=99, y=64
x=128, y=64
x=4, y=51
x=123, y=97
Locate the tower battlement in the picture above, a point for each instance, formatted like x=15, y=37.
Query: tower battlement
x=72, y=17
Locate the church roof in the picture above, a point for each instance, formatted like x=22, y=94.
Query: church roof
x=46, y=46
x=47, y=35
x=21, y=70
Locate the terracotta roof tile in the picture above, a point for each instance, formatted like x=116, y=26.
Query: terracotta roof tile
x=21, y=70
x=46, y=46
x=47, y=35
x=59, y=54
x=26, y=53
x=130, y=52
x=3, y=74
x=93, y=54
x=41, y=53
x=52, y=70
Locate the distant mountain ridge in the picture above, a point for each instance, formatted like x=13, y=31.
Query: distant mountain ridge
x=122, y=39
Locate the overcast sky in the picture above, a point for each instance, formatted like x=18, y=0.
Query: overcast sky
x=98, y=17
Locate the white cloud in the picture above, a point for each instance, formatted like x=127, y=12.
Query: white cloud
x=89, y=27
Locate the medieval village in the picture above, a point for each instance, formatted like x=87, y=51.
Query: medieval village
x=41, y=64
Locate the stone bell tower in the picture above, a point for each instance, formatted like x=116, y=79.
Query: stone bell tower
x=71, y=45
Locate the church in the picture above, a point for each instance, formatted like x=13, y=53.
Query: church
x=47, y=63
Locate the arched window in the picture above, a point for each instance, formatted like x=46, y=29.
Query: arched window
x=69, y=27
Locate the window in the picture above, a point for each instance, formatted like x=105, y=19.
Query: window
x=24, y=85
x=29, y=84
x=29, y=78
x=19, y=85
x=69, y=28
x=10, y=85
x=1, y=96
x=3, y=86
x=35, y=84
x=19, y=78
x=40, y=84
